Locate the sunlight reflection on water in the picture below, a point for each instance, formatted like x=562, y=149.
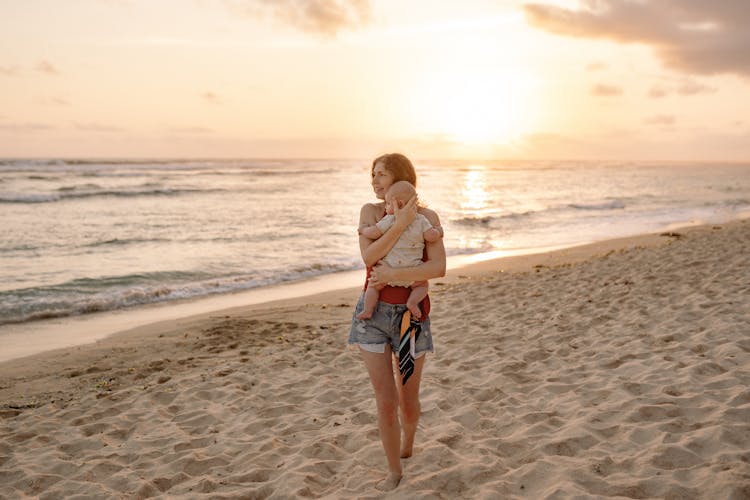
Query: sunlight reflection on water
x=475, y=195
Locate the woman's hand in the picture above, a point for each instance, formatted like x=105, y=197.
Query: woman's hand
x=381, y=274
x=406, y=214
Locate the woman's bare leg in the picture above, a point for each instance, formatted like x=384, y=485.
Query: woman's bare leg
x=380, y=369
x=408, y=398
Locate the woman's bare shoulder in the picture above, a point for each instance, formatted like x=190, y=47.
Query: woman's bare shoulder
x=371, y=211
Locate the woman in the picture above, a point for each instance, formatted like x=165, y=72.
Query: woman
x=375, y=336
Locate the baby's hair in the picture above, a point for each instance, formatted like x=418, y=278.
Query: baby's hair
x=402, y=191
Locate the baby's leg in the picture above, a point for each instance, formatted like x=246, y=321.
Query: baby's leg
x=417, y=295
x=372, y=294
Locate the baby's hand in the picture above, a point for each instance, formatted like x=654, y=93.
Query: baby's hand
x=433, y=234
x=405, y=215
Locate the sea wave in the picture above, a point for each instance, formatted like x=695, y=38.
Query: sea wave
x=103, y=168
x=91, y=295
x=737, y=203
x=28, y=198
x=287, y=172
x=19, y=248
x=68, y=194
x=43, y=178
x=604, y=205
x=125, y=241
x=485, y=220
x=62, y=162
x=80, y=187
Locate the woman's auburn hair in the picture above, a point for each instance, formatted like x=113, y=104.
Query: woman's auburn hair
x=398, y=165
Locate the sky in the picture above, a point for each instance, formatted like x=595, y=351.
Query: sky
x=662, y=80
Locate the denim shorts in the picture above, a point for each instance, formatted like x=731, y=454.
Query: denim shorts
x=384, y=328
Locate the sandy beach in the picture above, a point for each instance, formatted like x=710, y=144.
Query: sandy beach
x=617, y=369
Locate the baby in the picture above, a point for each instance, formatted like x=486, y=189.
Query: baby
x=407, y=252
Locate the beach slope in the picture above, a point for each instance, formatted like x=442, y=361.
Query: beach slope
x=618, y=369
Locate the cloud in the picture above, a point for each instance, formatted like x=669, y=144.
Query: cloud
x=190, y=130
x=604, y=90
x=47, y=67
x=322, y=17
x=660, y=120
x=211, y=97
x=693, y=88
x=53, y=101
x=547, y=140
x=684, y=88
x=97, y=127
x=9, y=70
x=596, y=66
x=657, y=92
x=694, y=36
x=26, y=127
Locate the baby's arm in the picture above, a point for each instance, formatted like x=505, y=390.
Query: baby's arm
x=372, y=232
x=378, y=229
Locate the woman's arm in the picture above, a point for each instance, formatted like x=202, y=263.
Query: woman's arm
x=374, y=250
x=434, y=267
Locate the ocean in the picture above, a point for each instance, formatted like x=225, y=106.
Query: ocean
x=81, y=236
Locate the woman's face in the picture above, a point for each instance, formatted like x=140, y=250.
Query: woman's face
x=381, y=180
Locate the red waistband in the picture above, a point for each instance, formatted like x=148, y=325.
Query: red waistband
x=399, y=295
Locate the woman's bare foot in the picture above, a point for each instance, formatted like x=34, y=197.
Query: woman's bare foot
x=406, y=452
x=389, y=483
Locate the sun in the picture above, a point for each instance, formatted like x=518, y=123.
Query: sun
x=487, y=106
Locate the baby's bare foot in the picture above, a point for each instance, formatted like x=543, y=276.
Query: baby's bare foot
x=389, y=483
x=364, y=315
x=415, y=310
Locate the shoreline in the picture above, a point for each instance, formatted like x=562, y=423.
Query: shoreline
x=108, y=329
x=18, y=340
x=21, y=340
x=616, y=369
